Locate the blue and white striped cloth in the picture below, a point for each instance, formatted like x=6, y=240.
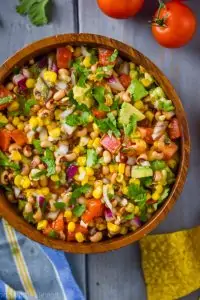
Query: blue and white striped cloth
x=29, y=271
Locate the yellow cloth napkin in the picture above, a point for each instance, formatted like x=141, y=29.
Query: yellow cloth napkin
x=171, y=264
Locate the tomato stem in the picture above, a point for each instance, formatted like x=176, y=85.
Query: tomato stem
x=157, y=21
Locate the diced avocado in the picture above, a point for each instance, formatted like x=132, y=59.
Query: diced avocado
x=157, y=93
x=80, y=95
x=21, y=205
x=140, y=172
x=137, y=90
x=126, y=111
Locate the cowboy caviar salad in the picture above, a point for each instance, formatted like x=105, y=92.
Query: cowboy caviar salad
x=88, y=143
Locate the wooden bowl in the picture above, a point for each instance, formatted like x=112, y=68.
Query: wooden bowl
x=8, y=210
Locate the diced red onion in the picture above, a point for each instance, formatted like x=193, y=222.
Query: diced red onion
x=124, y=68
x=18, y=78
x=115, y=84
x=71, y=171
x=41, y=201
x=26, y=72
x=136, y=222
x=54, y=68
x=22, y=84
x=108, y=214
x=42, y=62
x=159, y=129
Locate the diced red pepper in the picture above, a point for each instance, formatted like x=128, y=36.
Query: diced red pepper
x=4, y=139
x=125, y=80
x=19, y=137
x=4, y=93
x=174, y=130
x=146, y=134
x=111, y=143
x=63, y=57
x=98, y=113
x=79, y=228
x=169, y=150
x=58, y=224
x=95, y=208
x=104, y=57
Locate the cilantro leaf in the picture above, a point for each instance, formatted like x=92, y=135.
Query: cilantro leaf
x=165, y=105
x=60, y=205
x=93, y=56
x=131, y=126
x=129, y=217
x=115, y=105
x=35, y=9
x=98, y=93
x=48, y=159
x=27, y=106
x=146, y=181
x=157, y=165
x=78, y=210
x=91, y=158
x=78, y=191
x=75, y=120
x=137, y=194
x=108, y=124
x=113, y=57
x=102, y=72
x=81, y=73
x=53, y=234
x=137, y=90
x=5, y=100
x=36, y=144
x=5, y=162
x=39, y=174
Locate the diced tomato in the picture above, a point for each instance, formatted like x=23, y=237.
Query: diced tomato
x=4, y=93
x=4, y=139
x=123, y=158
x=125, y=80
x=19, y=137
x=174, y=130
x=98, y=113
x=63, y=57
x=104, y=56
x=146, y=134
x=95, y=208
x=70, y=236
x=170, y=150
x=79, y=228
x=110, y=143
x=58, y=224
x=151, y=201
x=47, y=230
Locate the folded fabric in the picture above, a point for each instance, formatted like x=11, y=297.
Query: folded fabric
x=32, y=271
x=171, y=264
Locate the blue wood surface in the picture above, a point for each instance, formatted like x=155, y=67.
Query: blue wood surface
x=118, y=275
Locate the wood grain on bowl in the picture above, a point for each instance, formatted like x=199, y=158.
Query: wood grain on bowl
x=8, y=211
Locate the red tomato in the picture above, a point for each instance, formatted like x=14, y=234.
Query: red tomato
x=125, y=80
x=94, y=209
x=4, y=93
x=146, y=134
x=4, y=139
x=120, y=9
x=58, y=224
x=110, y=143
x=175, y=25
x=104, y=56
x=99, y=114
x=169, y=150
x=63, y=57
x=19, y=137
x=174, y=130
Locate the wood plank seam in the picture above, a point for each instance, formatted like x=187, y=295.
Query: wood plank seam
x=76, y=16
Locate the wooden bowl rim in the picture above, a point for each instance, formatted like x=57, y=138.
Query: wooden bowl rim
x=34, y=49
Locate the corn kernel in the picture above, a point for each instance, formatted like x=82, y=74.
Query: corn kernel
x=113, y=168
x=30, y=83
x=135, y=181
x=113, y=228
x=50, y=76
x=146, y=82
x=139, y=105
x=29, y=192
x=20, y=126
x=16, y=156
x=155, y=196
x=33, y=122
x=71, y=226
x=97, y=193
x=42, y=225
x=13, y=106
x=130, y=207
x=3, y=119
x=25, y=183
x=57, y=114
x=90, y=144
x=98, y=183
x=55, y=133
x=89, y=171
x=81, y=161
x=40, y=121
x=172, y=163
x=125, y=190
x=148, y=196
x=159, y=188
x=120, y=178
x=121, y=168
x=76, y=150
x=85, y=180
x=149, y=115
x=86, y=62
x=44, y=191
x=96, y=143
x=95, y=127
x=46, y=121
x=18, y=180
x=136, y=210
x=101, y=226
x=68, y=215
x=123, y=230
x=90, y=118
x=55, y=177
x=79, y=237
x=150, y=210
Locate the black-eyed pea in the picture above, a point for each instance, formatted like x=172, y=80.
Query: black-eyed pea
x=97, y=237
x=107, y=157
x=59, y=95
x=27, y=151
x=105, y=170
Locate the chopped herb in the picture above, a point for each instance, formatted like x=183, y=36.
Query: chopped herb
x=157, y=165
x=28, y=104
x=2, y=124
x=75, y=120
x=146, y=181
x=29, y=217
x=39, y=174
x=78, y=210
x=103, y=72
x=49, y=160
x=115, y=105
x=165, y=105
x=53, y=234
x=131, y=126
x=81, y=73
x=4, y=162
x=137, y=194
x=93, y=56
x=35, y=70
x=6, y=188
x=36, y=144
x=60, y=205
x=113, y=57
x=98, y=93
x=92, y=158
x=108, y=124
x=78, y=191
x=137, y=90
x=16, y=70
x=129, y=216
x=5, y=100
